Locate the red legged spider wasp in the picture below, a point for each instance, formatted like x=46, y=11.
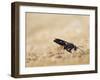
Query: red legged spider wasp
x=67, y=46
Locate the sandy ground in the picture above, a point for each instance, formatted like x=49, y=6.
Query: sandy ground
x=42, y=29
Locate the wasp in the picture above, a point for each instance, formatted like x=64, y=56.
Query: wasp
x=67, y=45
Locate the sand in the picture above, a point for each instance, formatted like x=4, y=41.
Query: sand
x=42, y=29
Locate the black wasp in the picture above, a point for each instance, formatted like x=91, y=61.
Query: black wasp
x=67, y=45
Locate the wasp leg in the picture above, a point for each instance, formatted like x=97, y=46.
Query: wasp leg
x=68, y=48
